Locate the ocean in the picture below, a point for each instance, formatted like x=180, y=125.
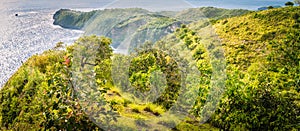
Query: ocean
x=32, y=31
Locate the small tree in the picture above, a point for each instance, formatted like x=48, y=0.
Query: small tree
x=270, y=7
x=297, y=2
x=289, y=3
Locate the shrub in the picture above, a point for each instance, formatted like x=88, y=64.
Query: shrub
x=270, y=7
x=289, y=4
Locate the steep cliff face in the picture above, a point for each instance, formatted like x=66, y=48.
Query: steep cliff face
x=72, y=19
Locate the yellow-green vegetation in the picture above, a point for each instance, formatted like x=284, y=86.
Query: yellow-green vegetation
x=261, y=57
x=42, y=94
x=38, y=96
x=247, y=37
x=194, y=14
x=262, y=53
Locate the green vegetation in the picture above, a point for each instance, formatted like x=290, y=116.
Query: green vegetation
x=195, y=14
x=72, y=19
x=53, y=91
x=289, y=3
x=39, y=97
x=130, y=27
x=262, y=90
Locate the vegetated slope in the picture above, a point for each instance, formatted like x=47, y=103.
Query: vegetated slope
x=262, y=85
x=72, y=19
x=38, y=97
x=194, y=14
x=262, y=54
x=133, y=24
x=76, y=19
x=262, y=65
x=44, y=94
x=127, y=26
x=104, y=20
x=139, y=29
x=247, y=38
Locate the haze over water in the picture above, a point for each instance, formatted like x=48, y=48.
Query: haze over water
x=32, y=31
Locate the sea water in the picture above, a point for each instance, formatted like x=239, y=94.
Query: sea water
x=32, y=31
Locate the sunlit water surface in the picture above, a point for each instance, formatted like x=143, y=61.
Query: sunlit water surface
x=32, y=31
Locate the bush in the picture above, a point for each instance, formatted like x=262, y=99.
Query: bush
x=289, y=4
x=252, y=103
x=270, y=7
x=40, y=96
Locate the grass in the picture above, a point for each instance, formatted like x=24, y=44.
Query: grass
x=154, y=109
x=245, y=37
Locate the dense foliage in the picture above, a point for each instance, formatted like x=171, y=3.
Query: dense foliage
x=263, y=71
x=40, y=96
x=261, y=88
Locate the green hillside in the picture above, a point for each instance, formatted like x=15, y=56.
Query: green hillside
x=136, y=25
x=139, y=29
x=250, y=36
x=194, y=14
x=126, y=26
x=262, y=56
x=246, y=77
x=72, y=19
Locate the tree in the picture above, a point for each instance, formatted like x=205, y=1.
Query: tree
x=270, y=7
x=289, y=3
x=297, y=2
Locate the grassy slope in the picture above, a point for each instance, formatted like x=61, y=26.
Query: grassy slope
x=245, y=42
x=249, y=46
x=246, y=37
x=261, y=75
x=194, y=14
